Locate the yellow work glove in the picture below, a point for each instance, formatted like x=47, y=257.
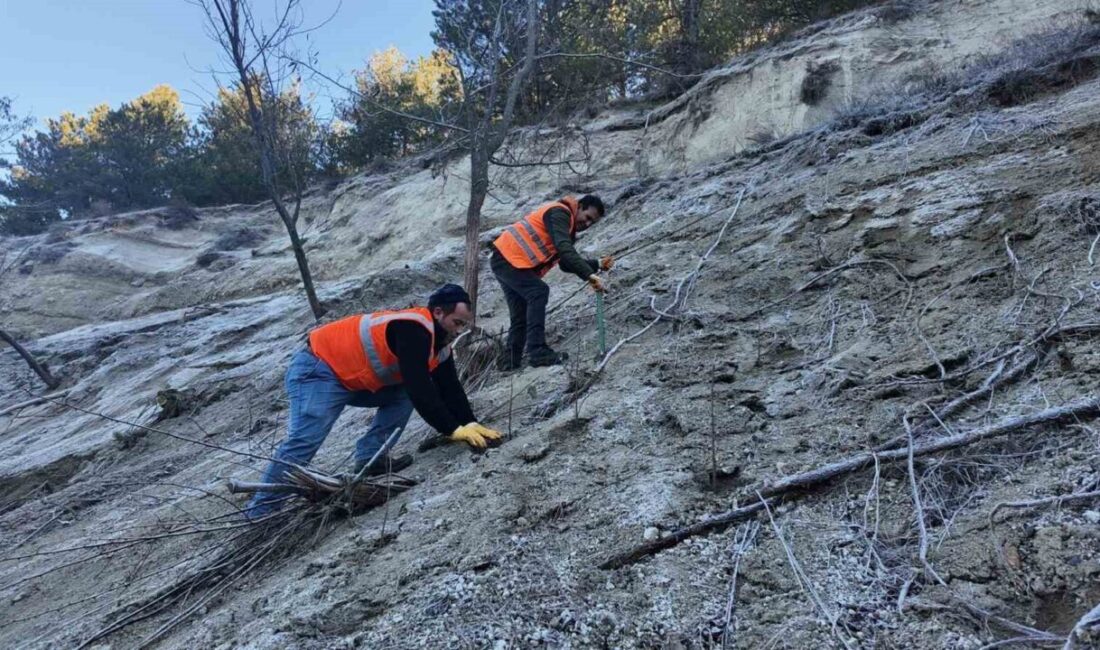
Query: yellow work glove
x=486, y=432
x=606, y=263
x=469, y=434
x=492, y=436
x=596, y=283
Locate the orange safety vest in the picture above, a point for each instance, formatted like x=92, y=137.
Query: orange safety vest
x=355, y=348
x=526, y=244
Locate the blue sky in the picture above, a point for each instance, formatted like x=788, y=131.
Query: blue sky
x=62, y=55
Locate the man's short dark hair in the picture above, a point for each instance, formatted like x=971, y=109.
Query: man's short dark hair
x=591, y=201
x=448, y=297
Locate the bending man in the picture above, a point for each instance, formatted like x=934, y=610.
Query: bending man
x=394, y=361
x=524, y=253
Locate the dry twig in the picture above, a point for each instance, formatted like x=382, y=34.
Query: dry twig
x=789, y=486
x=1084, y=629
x=743, y=540
x=1057, y=501
x=804, y=580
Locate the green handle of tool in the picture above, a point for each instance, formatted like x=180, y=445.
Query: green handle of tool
x=601, y=326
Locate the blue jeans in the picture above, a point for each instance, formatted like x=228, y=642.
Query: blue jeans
x=316, y=399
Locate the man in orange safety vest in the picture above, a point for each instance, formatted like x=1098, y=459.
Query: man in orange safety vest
x=525, y=252
x=395, y=361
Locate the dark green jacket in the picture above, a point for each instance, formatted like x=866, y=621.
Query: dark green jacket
x=557, y=222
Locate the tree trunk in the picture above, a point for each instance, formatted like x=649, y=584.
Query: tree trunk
x=38, y=368
x=259, y=118
x=300, y=257
x=486, y=139
x=479, y=187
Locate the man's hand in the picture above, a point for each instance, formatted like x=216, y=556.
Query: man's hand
x=492, y=436
x=475, y=435
x=596, y=283
x=606, y=263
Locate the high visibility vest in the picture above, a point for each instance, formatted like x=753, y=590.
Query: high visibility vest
x=526, y=244
x=356, y=349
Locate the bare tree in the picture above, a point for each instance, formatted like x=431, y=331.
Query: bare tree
x=252, y=49
x=482, y=71
x=494, y=59
x=39, y=369
x=11, y=125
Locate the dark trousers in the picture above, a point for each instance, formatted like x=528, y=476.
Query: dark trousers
x=527, y=296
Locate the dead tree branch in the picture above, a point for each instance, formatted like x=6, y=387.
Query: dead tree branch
x=833, y=271
x=232, y=25
x=683, y=287
x=795, y=484
x=33, y=402
x=804, y=580
x=1057, y=501
x=742, y=543
x=39, y=369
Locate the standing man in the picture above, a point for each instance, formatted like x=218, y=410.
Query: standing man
x=394, y=361
x=524, y=253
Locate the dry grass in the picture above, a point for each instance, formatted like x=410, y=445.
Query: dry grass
x=1026, y=70
x=178, y=214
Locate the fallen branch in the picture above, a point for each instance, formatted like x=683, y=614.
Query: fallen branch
x=712, y=523
x=918, y=507
x=354, y=493
x=996, y=379
x=805, y=582
x=788, y=485
x=679, y=299
x=742, y=542
x=1033, y=635
x=39, y=369
x=33, y=402
x=1057, y=501
x=821, y=276
x=1090, y=405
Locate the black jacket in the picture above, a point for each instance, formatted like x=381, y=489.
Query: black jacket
x=437, y=396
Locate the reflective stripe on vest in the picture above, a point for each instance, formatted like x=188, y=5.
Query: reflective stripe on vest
x=389, y=374
x=356, y=350
x=527, y=244
x=514, y=230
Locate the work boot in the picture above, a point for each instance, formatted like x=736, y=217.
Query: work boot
x=385, y=465
x=546, y=357
x=508, y=363
x=257, y=511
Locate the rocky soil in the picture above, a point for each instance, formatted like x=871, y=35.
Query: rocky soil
x=906, y=240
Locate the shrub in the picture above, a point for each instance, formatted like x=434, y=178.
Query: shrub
x=899, y=10
x=815, y=85
x=206, y=259
x=50, y=253
x=1027, y=69
x=1080, y=208
x=178, y=214
x=762, y=136
x=237, y=239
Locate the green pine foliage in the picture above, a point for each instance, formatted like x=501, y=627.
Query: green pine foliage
x=147, y=153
